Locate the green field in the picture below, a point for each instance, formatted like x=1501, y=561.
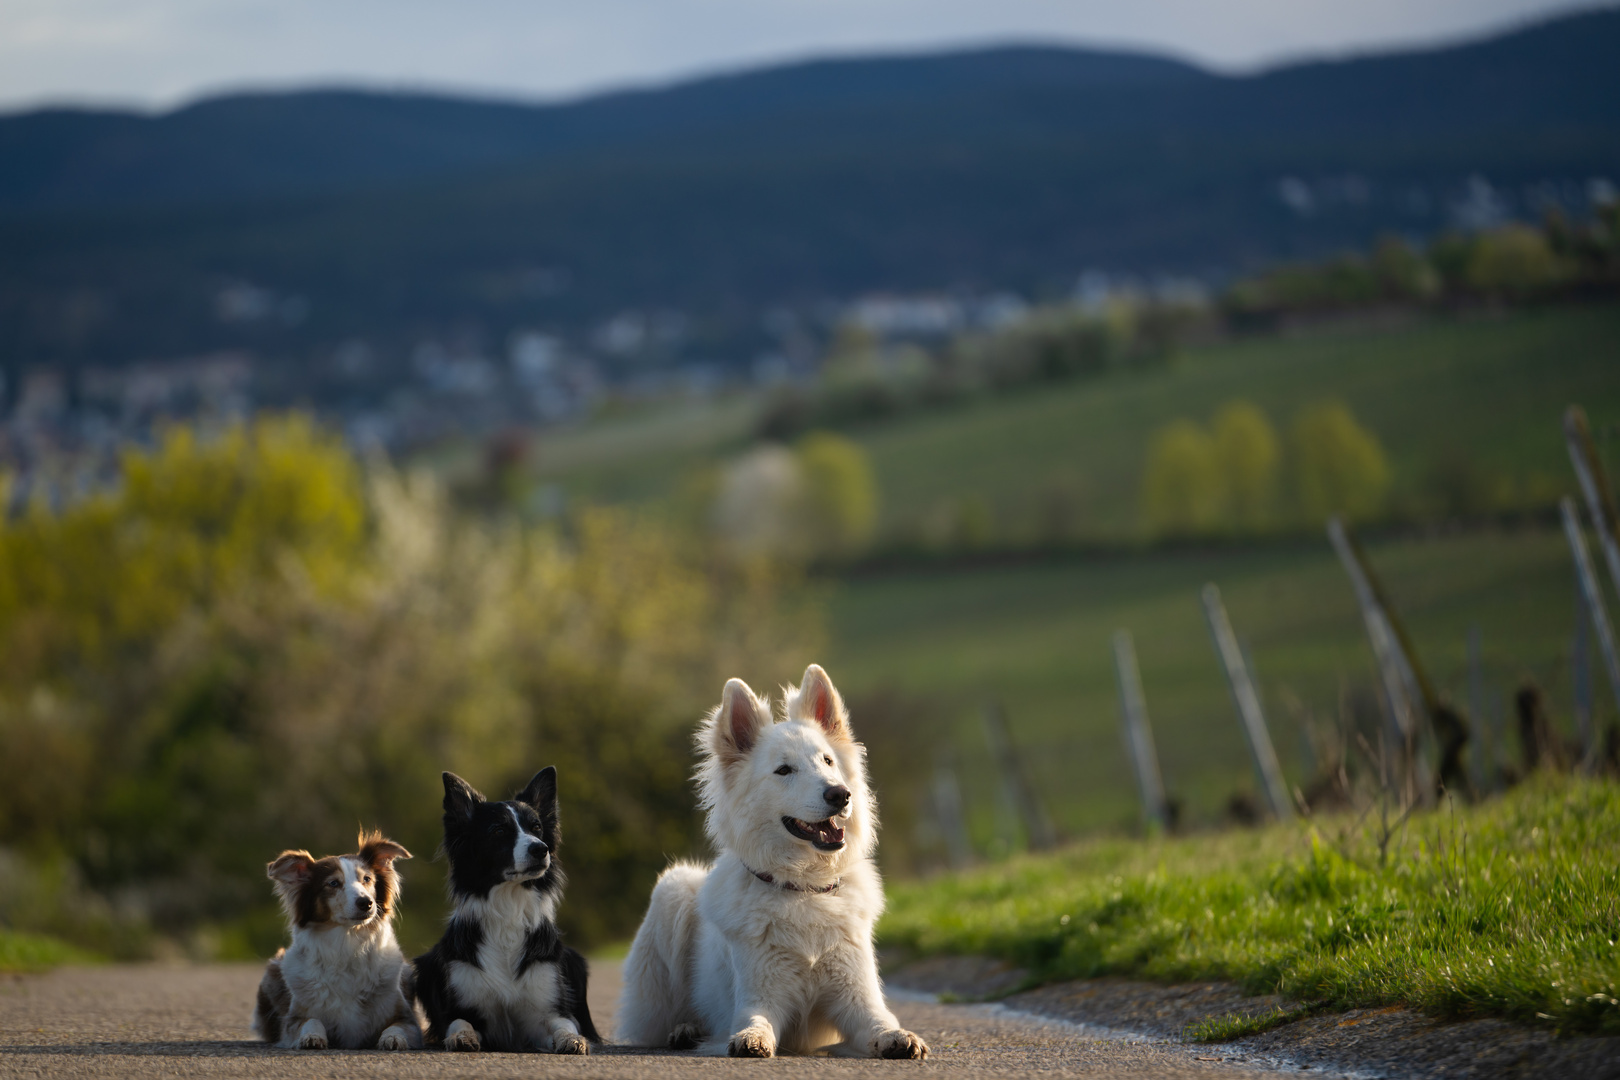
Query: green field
x=33, y=952
x=1486, y=390
x=1504, y=909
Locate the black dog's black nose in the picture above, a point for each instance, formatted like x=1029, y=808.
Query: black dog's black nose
x=538, y=849
x=836, y=797
x=364, y=903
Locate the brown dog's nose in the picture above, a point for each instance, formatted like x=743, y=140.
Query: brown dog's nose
x=836, y=797
x=364, y=903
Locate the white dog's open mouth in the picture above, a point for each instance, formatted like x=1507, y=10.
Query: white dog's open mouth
x=823, y=834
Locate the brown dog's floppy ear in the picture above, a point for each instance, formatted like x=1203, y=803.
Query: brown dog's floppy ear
x=738, y=720
x=377, y=850
x=290, y=869
x=818, y=702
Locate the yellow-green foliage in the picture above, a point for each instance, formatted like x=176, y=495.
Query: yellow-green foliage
x=1338, y=466
x=1182, y=490
x=1246, y=454
x=840, y=491
x=313, y=646
x=1513, y=261
x=1507, y=909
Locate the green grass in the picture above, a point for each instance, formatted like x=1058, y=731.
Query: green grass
x=1229, y=1026
x=1509, y=909
x=1037, y=638
x=33, y=952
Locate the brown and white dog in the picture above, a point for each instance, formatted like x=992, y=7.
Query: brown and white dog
x=338, y=984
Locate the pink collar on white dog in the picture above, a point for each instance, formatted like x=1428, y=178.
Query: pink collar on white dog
x=790, y=886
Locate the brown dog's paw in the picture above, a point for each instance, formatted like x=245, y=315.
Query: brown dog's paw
x=685, y=1037
x=900, y=1044
x=752, y=1043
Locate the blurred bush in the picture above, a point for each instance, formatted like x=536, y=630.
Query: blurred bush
x=1337, y=466
x=1201, y=483
x=253, y=644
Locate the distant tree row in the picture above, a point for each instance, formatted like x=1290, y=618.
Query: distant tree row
x=1234, y=477
x=1514, y=263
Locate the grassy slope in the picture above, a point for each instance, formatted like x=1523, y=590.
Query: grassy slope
x=1511, y=909
x=1491, y=388
x=1037, y=638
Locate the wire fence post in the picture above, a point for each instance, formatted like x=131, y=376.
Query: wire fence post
x=1240, y=681
x=1485, y=750
x=1139, y=733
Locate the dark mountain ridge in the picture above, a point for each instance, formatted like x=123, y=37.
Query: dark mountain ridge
x=390, y=217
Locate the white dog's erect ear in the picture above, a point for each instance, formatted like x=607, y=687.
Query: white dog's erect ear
x=737, y=723
x=817, y=701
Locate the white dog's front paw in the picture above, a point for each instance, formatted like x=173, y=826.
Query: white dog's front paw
x=394, y=1038
x=461, y=1035
x=899, y=1043
x=570, y=1043
x=685, y=1036
x=752, y=1042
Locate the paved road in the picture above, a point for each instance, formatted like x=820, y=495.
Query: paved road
x=150, y=1021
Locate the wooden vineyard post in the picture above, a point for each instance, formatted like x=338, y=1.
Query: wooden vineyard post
x=952, y=822
x=1139, y=733
x=1395, y=672
x=1015, y=786
x=1594, y=484
x=1241, y=683
x=1586, y=579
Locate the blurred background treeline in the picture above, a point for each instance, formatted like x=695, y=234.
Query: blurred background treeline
x=351, y=436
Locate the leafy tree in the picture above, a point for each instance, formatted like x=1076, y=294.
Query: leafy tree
x=1182, y=488
x=1513, y=261
x=1246, y=452
x=840, y=493
x=1338, y=466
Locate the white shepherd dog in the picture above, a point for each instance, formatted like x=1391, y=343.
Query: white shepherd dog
x=770, y=949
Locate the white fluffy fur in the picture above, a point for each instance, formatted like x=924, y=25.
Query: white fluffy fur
x=749, y=967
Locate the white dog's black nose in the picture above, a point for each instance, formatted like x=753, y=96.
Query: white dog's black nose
x=836, y=797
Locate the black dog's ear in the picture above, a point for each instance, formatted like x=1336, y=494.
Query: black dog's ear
x=460, y=797
x=542, y=791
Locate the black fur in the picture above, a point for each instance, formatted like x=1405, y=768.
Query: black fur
x=479, y=839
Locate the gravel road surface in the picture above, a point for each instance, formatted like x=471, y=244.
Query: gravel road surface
x=150, y=1021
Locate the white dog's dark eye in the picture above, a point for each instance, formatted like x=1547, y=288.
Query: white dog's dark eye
x=784, y=770
x=827, y=758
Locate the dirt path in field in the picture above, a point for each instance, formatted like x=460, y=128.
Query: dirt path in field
x=150, y=1021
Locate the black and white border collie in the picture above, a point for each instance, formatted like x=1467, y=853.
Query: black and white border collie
x=501, y=978
x=338, y=984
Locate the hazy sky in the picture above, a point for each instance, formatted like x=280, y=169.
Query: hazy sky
x=159, y=52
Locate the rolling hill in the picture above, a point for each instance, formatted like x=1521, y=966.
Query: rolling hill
x=394, y=216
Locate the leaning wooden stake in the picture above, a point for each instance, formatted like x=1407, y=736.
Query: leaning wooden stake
x=1239, y=680
x=1595, y=487
x=1019, y=793
x=1586, y=578
x=1139, y=733
x=952, y=823
x=1395, y=672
